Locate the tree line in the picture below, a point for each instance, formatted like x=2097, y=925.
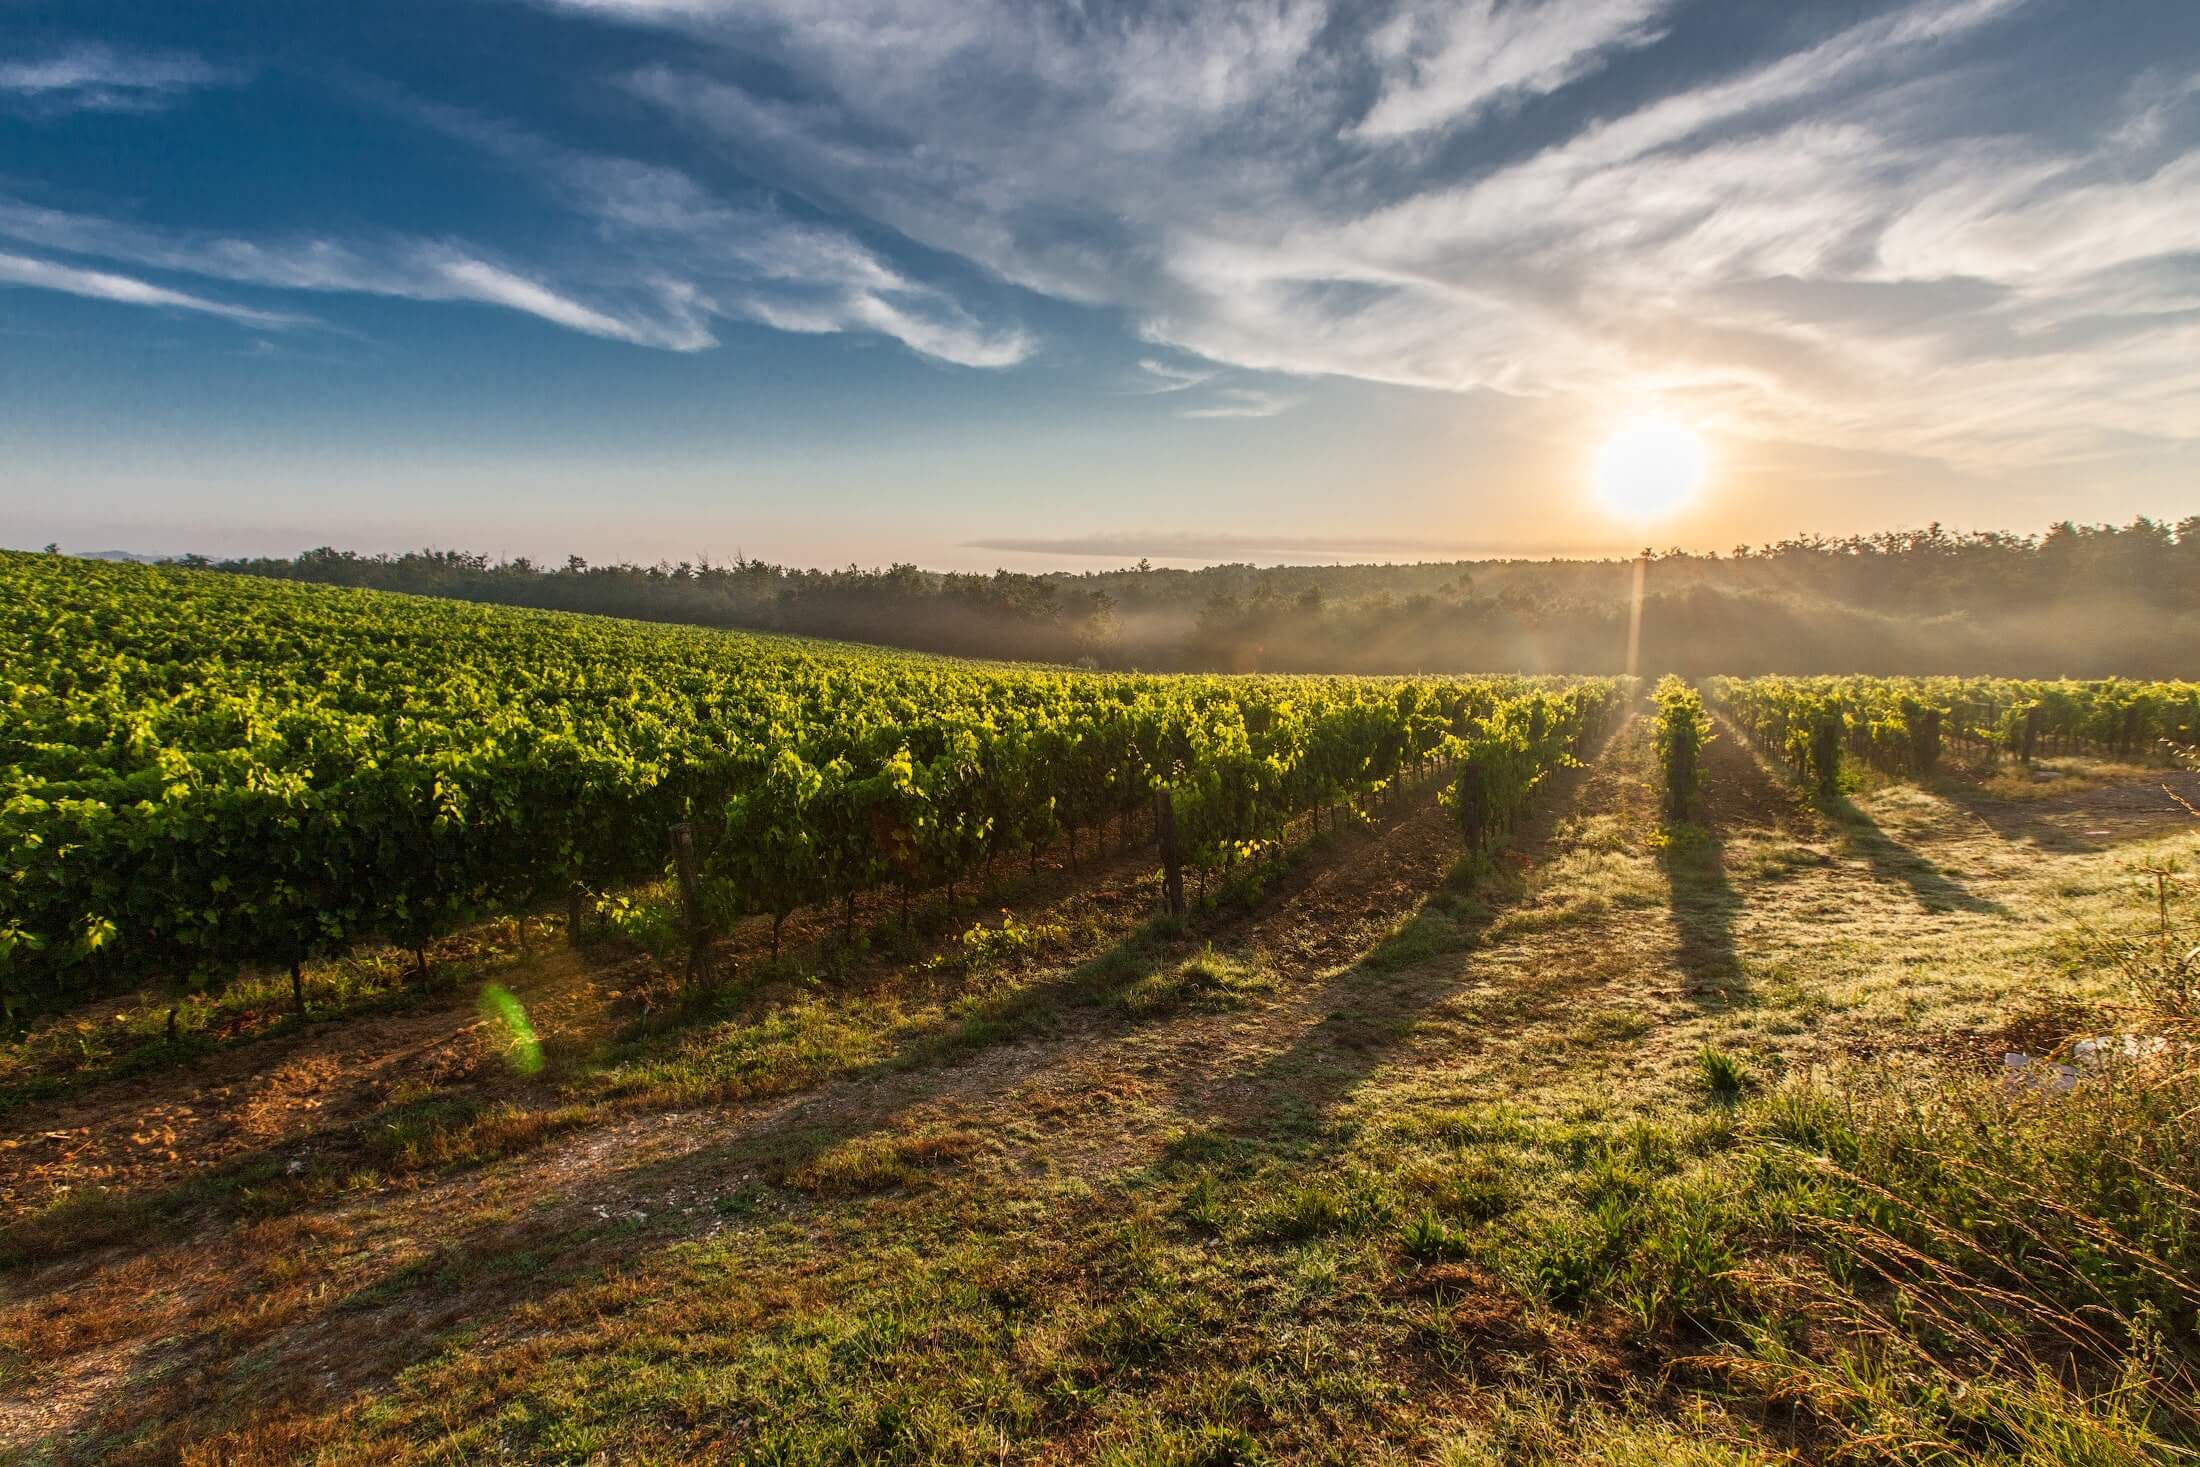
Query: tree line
x=2076, y=600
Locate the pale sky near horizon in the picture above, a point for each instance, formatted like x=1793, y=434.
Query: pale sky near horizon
x=997, y=282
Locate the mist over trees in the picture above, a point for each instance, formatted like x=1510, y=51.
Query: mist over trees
x=2078, y=600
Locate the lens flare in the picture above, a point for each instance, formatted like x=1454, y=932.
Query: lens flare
x=507, y=1018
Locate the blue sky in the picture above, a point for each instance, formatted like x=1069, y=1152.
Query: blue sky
x=974, y=282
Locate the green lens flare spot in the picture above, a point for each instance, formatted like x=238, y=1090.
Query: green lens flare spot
x=505, y=1015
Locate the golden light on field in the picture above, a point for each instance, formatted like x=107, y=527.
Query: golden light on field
x=1648, y=468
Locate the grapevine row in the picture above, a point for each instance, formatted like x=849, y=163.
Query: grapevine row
x=203, y=773
x=1680, y=733
x=1903, y=725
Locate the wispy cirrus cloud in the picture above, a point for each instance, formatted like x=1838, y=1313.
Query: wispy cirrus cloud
x=1446, y=64
x=659, y=261
x=90, y=77
x=1818, y=224
x=21, y=270
x=738, y=261
x=1159, y=376
x=1822, y=236
x=683, y=261
x=466, y=278
x=397, y=267
x=1239, y=402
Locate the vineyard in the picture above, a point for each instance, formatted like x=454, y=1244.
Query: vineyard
x=1071, y=1066
x=204, y=773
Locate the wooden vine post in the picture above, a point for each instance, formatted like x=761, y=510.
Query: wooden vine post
x=1472, y=822
x=2031, y=733
x=1172, y=867
x=699, y=969
x=1928, y=741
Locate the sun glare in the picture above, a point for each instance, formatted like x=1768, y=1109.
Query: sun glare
x=1649, y=468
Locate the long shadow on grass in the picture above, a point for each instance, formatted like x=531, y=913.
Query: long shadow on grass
x=300, y=1171
x=896, y=1137
x=1895, y=863
x=1890, y=860
x=1388, y=997
x=858, y=1133
x=2085, y=820
x=872, y=1125
x=1704, y=906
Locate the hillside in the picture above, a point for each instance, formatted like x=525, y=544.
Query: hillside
x=1479, y=1070
x=1566, y=1163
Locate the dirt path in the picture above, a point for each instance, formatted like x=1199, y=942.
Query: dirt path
x=160, y=1128
x=299, y=1089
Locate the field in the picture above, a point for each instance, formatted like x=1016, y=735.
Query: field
x=1531, y=1073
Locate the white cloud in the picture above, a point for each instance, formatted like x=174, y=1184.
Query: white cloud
x=127, y=290
x=795, y=281
x=96, y=78
x=1830, y=241
x=478, y=280
x=2033, y=221
x=935, y=335
x=1239, y=402
x=1167, y=377
x=942, y=334
x=409, y=269
x=1447, y=63
x=666, y=259
x=746, y=261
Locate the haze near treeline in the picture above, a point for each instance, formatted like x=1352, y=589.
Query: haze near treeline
x=2074, y=601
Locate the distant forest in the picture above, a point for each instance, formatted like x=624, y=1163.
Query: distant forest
x=2078, y=600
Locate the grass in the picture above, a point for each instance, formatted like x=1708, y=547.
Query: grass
x=1508, y=1182
x=1724, y=1077
x=1205, y=980
x=2049, y=778
x=441, y=1133
x=1440, y=929
x=875, y=1163
x=428, y=1134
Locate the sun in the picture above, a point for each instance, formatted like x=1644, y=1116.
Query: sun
x=1649, y=468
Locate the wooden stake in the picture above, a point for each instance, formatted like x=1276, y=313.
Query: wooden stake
x=1172, y=870
x=699, y=969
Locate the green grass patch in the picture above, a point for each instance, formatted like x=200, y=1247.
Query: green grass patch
x=1206, y=980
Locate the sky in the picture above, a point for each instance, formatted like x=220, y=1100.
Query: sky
x=979, y=283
